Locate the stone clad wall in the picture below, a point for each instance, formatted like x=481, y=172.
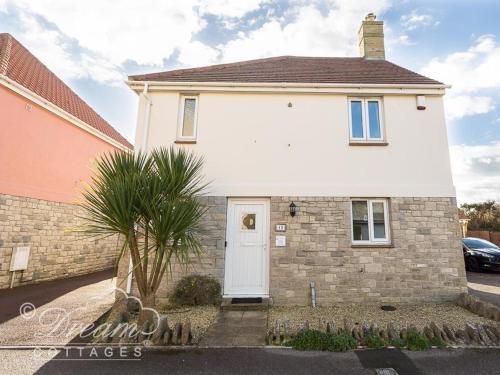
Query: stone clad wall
x=424, y=263
x=210, y=263
x=56, y=252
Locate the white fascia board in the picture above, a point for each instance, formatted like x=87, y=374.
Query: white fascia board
x=44, y=103
x=316, y=88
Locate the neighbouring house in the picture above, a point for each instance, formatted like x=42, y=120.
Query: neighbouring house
x=48, y=138
x=327, y=170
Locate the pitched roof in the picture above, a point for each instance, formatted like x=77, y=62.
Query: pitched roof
x=19, y=64
x=295, y=69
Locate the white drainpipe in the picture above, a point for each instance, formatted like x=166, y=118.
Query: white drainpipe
x=313, y=294
x=146, y=117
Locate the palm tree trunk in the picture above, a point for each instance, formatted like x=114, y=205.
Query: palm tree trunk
x=146, y=314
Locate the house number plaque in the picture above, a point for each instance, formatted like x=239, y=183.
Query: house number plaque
x=280, y=228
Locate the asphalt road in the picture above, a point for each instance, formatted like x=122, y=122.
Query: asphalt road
x=280, y=361
x=485, y=285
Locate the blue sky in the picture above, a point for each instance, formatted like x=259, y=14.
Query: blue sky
x=94, y=45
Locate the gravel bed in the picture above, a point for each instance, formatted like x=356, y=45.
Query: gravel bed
x=419, y=315
x=201, y=317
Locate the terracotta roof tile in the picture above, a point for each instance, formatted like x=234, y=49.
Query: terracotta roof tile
x=19, y=64
x=295, y=69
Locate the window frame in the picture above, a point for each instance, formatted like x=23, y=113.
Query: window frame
x=365, y=120
x=371, y=228
x=180, y=122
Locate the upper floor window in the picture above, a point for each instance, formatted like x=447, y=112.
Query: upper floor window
x=188, y=118
x=365, y=119
x=370, y=221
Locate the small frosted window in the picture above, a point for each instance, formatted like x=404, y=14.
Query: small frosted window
x=189, y=116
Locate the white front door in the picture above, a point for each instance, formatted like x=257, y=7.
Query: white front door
x=247, y=256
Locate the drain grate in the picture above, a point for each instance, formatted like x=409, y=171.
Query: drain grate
x=236, y=301
x=386, y=371
x=388, y=308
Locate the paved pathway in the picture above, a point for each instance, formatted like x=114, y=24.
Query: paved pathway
x=237, y=328
x=485, y=285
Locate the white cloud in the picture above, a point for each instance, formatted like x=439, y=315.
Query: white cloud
x=414, y=20
x=476, y=171
x=471, y=73
x=145, y=31
x=404, y=40
x=198, y=54
x=52, y=48
x=309, y=32
x=96, y=38
x=458, y=106
x=230, y=8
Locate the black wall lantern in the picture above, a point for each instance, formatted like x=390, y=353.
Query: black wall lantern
x=293, y=209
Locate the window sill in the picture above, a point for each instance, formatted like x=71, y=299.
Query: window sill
x=368, y=143
x=185, y=142
x=374, y=245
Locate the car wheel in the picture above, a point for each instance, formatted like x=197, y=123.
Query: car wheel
x=473, y=264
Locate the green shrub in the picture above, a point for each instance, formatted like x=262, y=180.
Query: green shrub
x=341, y=342
x=438, y=341
x=417, y=341
x=397, y=342
x=374, y=341
x=317, y=340
x=196, y=290
x=309, y=340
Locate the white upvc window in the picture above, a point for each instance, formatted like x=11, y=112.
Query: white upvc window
x=370, y=221
x=366, y=120
x=188, y=118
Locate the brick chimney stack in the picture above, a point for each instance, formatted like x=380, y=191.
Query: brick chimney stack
x=371, y=38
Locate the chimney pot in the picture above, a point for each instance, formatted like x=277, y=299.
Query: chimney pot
x=371, y=38
x=370, y=17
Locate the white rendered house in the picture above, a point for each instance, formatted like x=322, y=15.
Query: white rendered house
x=358, y=145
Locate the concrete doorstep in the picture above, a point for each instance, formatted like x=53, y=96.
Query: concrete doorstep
x=237, y=328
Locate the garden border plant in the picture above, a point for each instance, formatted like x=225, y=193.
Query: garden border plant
x=372, y=336
x=152, y=202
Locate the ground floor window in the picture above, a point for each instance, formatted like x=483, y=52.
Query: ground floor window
x=370, y=221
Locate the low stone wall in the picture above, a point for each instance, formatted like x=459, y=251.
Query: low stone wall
x=56, y=251
x=470, y=335
x=423, y=263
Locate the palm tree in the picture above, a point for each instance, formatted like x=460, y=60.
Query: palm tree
x=152, y=203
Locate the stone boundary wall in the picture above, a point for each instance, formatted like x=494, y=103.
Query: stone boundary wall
x=423, y=263
x=56, y=252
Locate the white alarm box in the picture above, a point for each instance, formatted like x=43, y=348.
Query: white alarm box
x=19, y=260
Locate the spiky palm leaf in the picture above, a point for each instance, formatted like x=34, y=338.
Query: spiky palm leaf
x=152, y=202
